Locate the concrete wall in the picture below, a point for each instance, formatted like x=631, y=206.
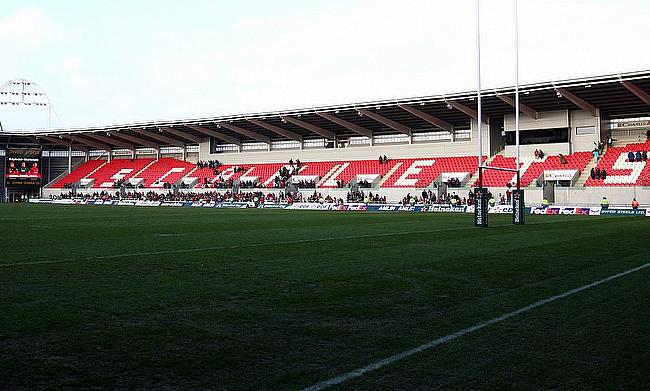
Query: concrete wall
x=546, y=120
x=417, y=150
x=621, y=196
x=572, y=119
x=529, y=150
x=580, y=118
x=581, y=196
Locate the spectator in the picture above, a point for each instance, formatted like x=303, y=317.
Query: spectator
x=563, y=159
x=593, y=173
x=603, y=174
x=385, y=160
x=635, y=203
x=596, y=154
x=644, y=155
x=545, y=203
x=647, y=134
x=536, y=153
x=630, y=156
x=610, y=141
x=638, y=157
x=604, y=203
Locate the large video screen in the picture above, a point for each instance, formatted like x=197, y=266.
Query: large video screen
x=23, y=167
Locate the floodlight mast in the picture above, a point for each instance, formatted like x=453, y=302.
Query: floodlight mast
x=23, y=93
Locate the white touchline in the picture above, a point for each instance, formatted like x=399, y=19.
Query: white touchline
x=450, y=337
x=249, y=245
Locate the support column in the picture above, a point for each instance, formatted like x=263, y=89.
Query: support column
x=87, y=156
x=185, y=152
x=158, y=153
x=133, y=153
x=110, y=156
x=69, y=159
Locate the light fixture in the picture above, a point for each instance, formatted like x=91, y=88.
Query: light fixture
x=449, y=106
x=588, y=86
x=421, y=103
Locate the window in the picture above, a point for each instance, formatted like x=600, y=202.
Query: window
x=582, y=130
x=539, y=136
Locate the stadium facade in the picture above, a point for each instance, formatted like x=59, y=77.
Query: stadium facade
x=427, y=140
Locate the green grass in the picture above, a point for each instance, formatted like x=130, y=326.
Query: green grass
x=285, y=299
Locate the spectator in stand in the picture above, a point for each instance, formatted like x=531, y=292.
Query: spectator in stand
x=644, y=155
x=541, y=154
x=630, y=156
x=638, y=157
x=536, y=153
x=635, y=203
x=563, y=159
x=596, y=154
x=385, y=160
x=597, y=174
x=647, y=134
x=592, y=173
x=603, y=174
x=610, y=141
x=381, y=160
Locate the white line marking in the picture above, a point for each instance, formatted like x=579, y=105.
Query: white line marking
x=249, y=245
x=450, y=337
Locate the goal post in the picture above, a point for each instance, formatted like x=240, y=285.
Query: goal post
x=481, y=199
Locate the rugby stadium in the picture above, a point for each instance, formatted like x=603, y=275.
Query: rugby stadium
x=488, y=239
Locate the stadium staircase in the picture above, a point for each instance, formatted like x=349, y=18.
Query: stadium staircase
x=584, y=175
x=82, y=171
x=137, y=174
x=389, y=174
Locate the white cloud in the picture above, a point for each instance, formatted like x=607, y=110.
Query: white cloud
x=29, y=26
x=71, y=63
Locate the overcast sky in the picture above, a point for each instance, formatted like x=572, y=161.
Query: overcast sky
x=117, y=61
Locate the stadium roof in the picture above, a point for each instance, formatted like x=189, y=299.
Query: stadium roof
x=617, y=94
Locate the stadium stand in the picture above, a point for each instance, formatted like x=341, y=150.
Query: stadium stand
x=620, y=170
x=421, y=172
x=396, y=173
x=165, y=170
x=532, y=168
x=81, y=172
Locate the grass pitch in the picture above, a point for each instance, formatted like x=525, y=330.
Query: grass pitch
x=99, y=297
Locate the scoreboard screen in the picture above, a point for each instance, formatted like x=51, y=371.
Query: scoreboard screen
x=23, y=167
